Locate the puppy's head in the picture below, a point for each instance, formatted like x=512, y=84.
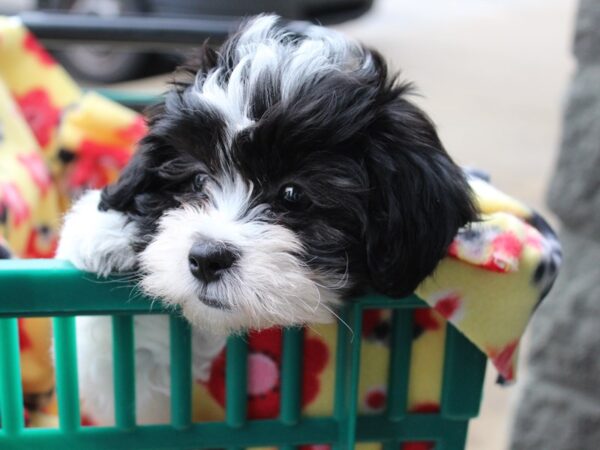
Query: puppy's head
x=290, y=173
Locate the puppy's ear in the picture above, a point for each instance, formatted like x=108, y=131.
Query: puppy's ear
x=419, y=197
x=140, y=174
x=133, y=180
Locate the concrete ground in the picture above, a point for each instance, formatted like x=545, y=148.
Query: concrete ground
x=493, y=74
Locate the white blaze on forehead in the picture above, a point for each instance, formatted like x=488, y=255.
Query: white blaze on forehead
x=264, y=61
x=229, y=100
x=262, y=49
x=230, y=197
x=258, y=29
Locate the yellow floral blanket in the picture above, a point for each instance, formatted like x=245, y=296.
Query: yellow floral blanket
x=56, y=140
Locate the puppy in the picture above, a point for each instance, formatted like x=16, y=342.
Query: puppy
x=288, y=173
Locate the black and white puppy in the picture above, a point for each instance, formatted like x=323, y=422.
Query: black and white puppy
x=289, y=173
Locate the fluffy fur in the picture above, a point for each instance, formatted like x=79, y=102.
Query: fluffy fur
x=302, y=160
x=99, y=241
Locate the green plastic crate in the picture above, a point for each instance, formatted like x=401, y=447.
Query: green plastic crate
x=54, y=288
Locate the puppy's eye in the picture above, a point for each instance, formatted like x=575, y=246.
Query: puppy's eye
x=293, y=197
x=198, y=182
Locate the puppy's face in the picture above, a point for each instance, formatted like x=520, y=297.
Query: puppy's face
x=289, y=174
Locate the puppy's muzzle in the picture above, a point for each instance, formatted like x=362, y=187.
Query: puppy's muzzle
x=208, y=261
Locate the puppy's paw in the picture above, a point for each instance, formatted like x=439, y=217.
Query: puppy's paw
x=97, y=241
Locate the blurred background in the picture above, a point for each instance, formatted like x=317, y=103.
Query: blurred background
x=492, y=74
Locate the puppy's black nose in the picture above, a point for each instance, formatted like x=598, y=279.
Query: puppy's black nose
x=208, y=260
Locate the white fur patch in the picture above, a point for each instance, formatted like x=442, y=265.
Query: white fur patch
x=263, y=48
x=96, y=241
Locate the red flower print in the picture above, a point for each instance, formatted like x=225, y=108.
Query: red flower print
x=135, y=131
x=507, y=249
x=32, y=45
x=371, y=319
x=24, y=339
x=453, y=248
x=38, y=170
x=424, y=318
x=425, y=408
x=13, y=201
x=316, y=356
x=375, y=399
x=491, y=248
x=315, y=447
x=509, y=243
x=42, y=243
x=418, y=446
x=94, y=162
x=376, y=326
x=264, y=362
x=86, y=421
x=503, y=359
x=40, y=114
x=448, y=305
x=264, y=376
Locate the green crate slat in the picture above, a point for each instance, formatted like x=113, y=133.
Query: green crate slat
x=66, y=373
x=181, y=372
x=401, y=346
x=356, y=324
x=124, y=371
x=55, y=288
x=236, y=381
x=391, y=445
x=341, y=375
x=131, y=98
x=398, y=380
x=464, y=371
x=162, y=437
x=11, y=394
x=48, y=287
x=456, y=438
x=378, y=301
x=415, y=427
x=346, y=396
x=291, y=375
x=288, y=447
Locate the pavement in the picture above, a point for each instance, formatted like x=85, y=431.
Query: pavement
x=492, y=74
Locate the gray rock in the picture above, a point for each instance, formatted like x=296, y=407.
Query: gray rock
x=560, y=406
x=560, y=400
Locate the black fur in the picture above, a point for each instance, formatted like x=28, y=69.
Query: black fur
x=384, y=199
